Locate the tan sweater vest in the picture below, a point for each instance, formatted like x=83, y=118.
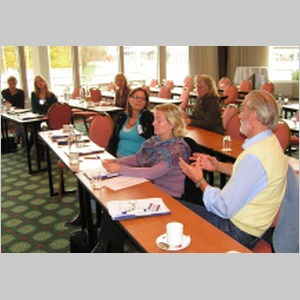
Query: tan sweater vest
x=257, y=216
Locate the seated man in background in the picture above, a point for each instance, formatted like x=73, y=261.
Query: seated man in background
x=246, y=206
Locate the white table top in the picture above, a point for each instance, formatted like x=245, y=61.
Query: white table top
x=157, y=100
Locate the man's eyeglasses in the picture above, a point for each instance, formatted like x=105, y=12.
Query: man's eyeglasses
x=138, y=98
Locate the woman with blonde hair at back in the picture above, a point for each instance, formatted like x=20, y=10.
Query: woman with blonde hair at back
x=157, y=160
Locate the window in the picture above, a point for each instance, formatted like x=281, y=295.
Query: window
x=60, y=69
x=9, y=65
x=29, y=70
x=177, y=64
x=140, y=64
x=98, y=65
x=283, y=63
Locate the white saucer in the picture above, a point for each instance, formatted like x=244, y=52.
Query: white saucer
x=163, y=239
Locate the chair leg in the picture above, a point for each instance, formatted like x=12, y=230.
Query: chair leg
x=61, y=183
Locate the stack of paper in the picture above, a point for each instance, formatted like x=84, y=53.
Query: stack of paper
x=129, y=209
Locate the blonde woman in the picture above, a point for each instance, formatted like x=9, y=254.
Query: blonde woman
x=122, y=90
x=41, y=98
x=157, y=160
x=207, y=111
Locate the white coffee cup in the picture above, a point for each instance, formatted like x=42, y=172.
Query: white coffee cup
x=174, y=234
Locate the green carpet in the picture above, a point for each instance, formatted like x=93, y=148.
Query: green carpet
x=31, y=220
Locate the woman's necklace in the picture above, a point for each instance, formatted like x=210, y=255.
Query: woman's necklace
x=130, y=123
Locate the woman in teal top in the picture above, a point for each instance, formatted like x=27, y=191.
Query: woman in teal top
x=133, y=127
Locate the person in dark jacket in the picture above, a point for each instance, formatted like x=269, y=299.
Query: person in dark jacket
x=12, y=95
x=207, y=111
x=132, y=127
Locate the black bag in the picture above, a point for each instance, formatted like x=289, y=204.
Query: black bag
x=8, y=145
x=79, y=242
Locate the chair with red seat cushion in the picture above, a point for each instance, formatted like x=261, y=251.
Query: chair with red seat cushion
x=58, y=115
x=101, y=128
x=153, y=83
x=185, y=97
x=230, y=94
x=245, y=88
x=95, y=95
x=169, y=84
x=222, y=83
x=233, y=127
x=86, y=116
x=164, y=92
x=188, y=83
x=262, y=245
x=283, y=134
x=228, y=112
x=268, y=86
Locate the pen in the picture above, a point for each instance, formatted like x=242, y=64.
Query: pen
x=93, y=157
x=158, y=206
x=149, y=207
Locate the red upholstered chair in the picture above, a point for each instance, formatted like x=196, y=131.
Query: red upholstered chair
x=154, y=83
x=58, y=115
x=169, y=84
x=86, y=116
x=223, y=82
x=185, y=96
x=268, y=86
x=283, y=134
x=245, y=88
x=231, y=94
x=147, y=89
x=111, y=87
x=164, y=92
x=233, y=127
x=228, y=112
x=95, y=95
x=262, y=245
x=101, y=128
x=188, y=83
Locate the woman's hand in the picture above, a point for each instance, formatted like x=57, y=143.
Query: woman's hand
x=111, y=166
x=194, y=172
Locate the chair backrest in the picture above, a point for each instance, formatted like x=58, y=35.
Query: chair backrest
x=154, y=83
x=111, y=87
x=231, y=91
x=100, y=129
x=246, y=85
x=147, y=89
x=95, y=94
x=78, y=92
x=58, y=115
x=228, y=112
x=223, y=82
x=188, y=83
x=268, y=86
x=185, y=96
x=283, y=134
x=233, y=127
x=169, y=84
x=164, y=92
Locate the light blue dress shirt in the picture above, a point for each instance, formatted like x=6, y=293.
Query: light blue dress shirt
x=247, y=181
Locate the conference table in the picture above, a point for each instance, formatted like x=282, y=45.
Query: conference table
x=290, y=109
x=142, y=231
x=245, y=72
x=31, y=123
x=213, y=142
x=158, y=100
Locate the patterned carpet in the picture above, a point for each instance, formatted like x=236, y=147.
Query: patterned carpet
x=31, y=220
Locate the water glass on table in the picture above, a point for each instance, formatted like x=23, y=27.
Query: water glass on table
x=96, y=179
